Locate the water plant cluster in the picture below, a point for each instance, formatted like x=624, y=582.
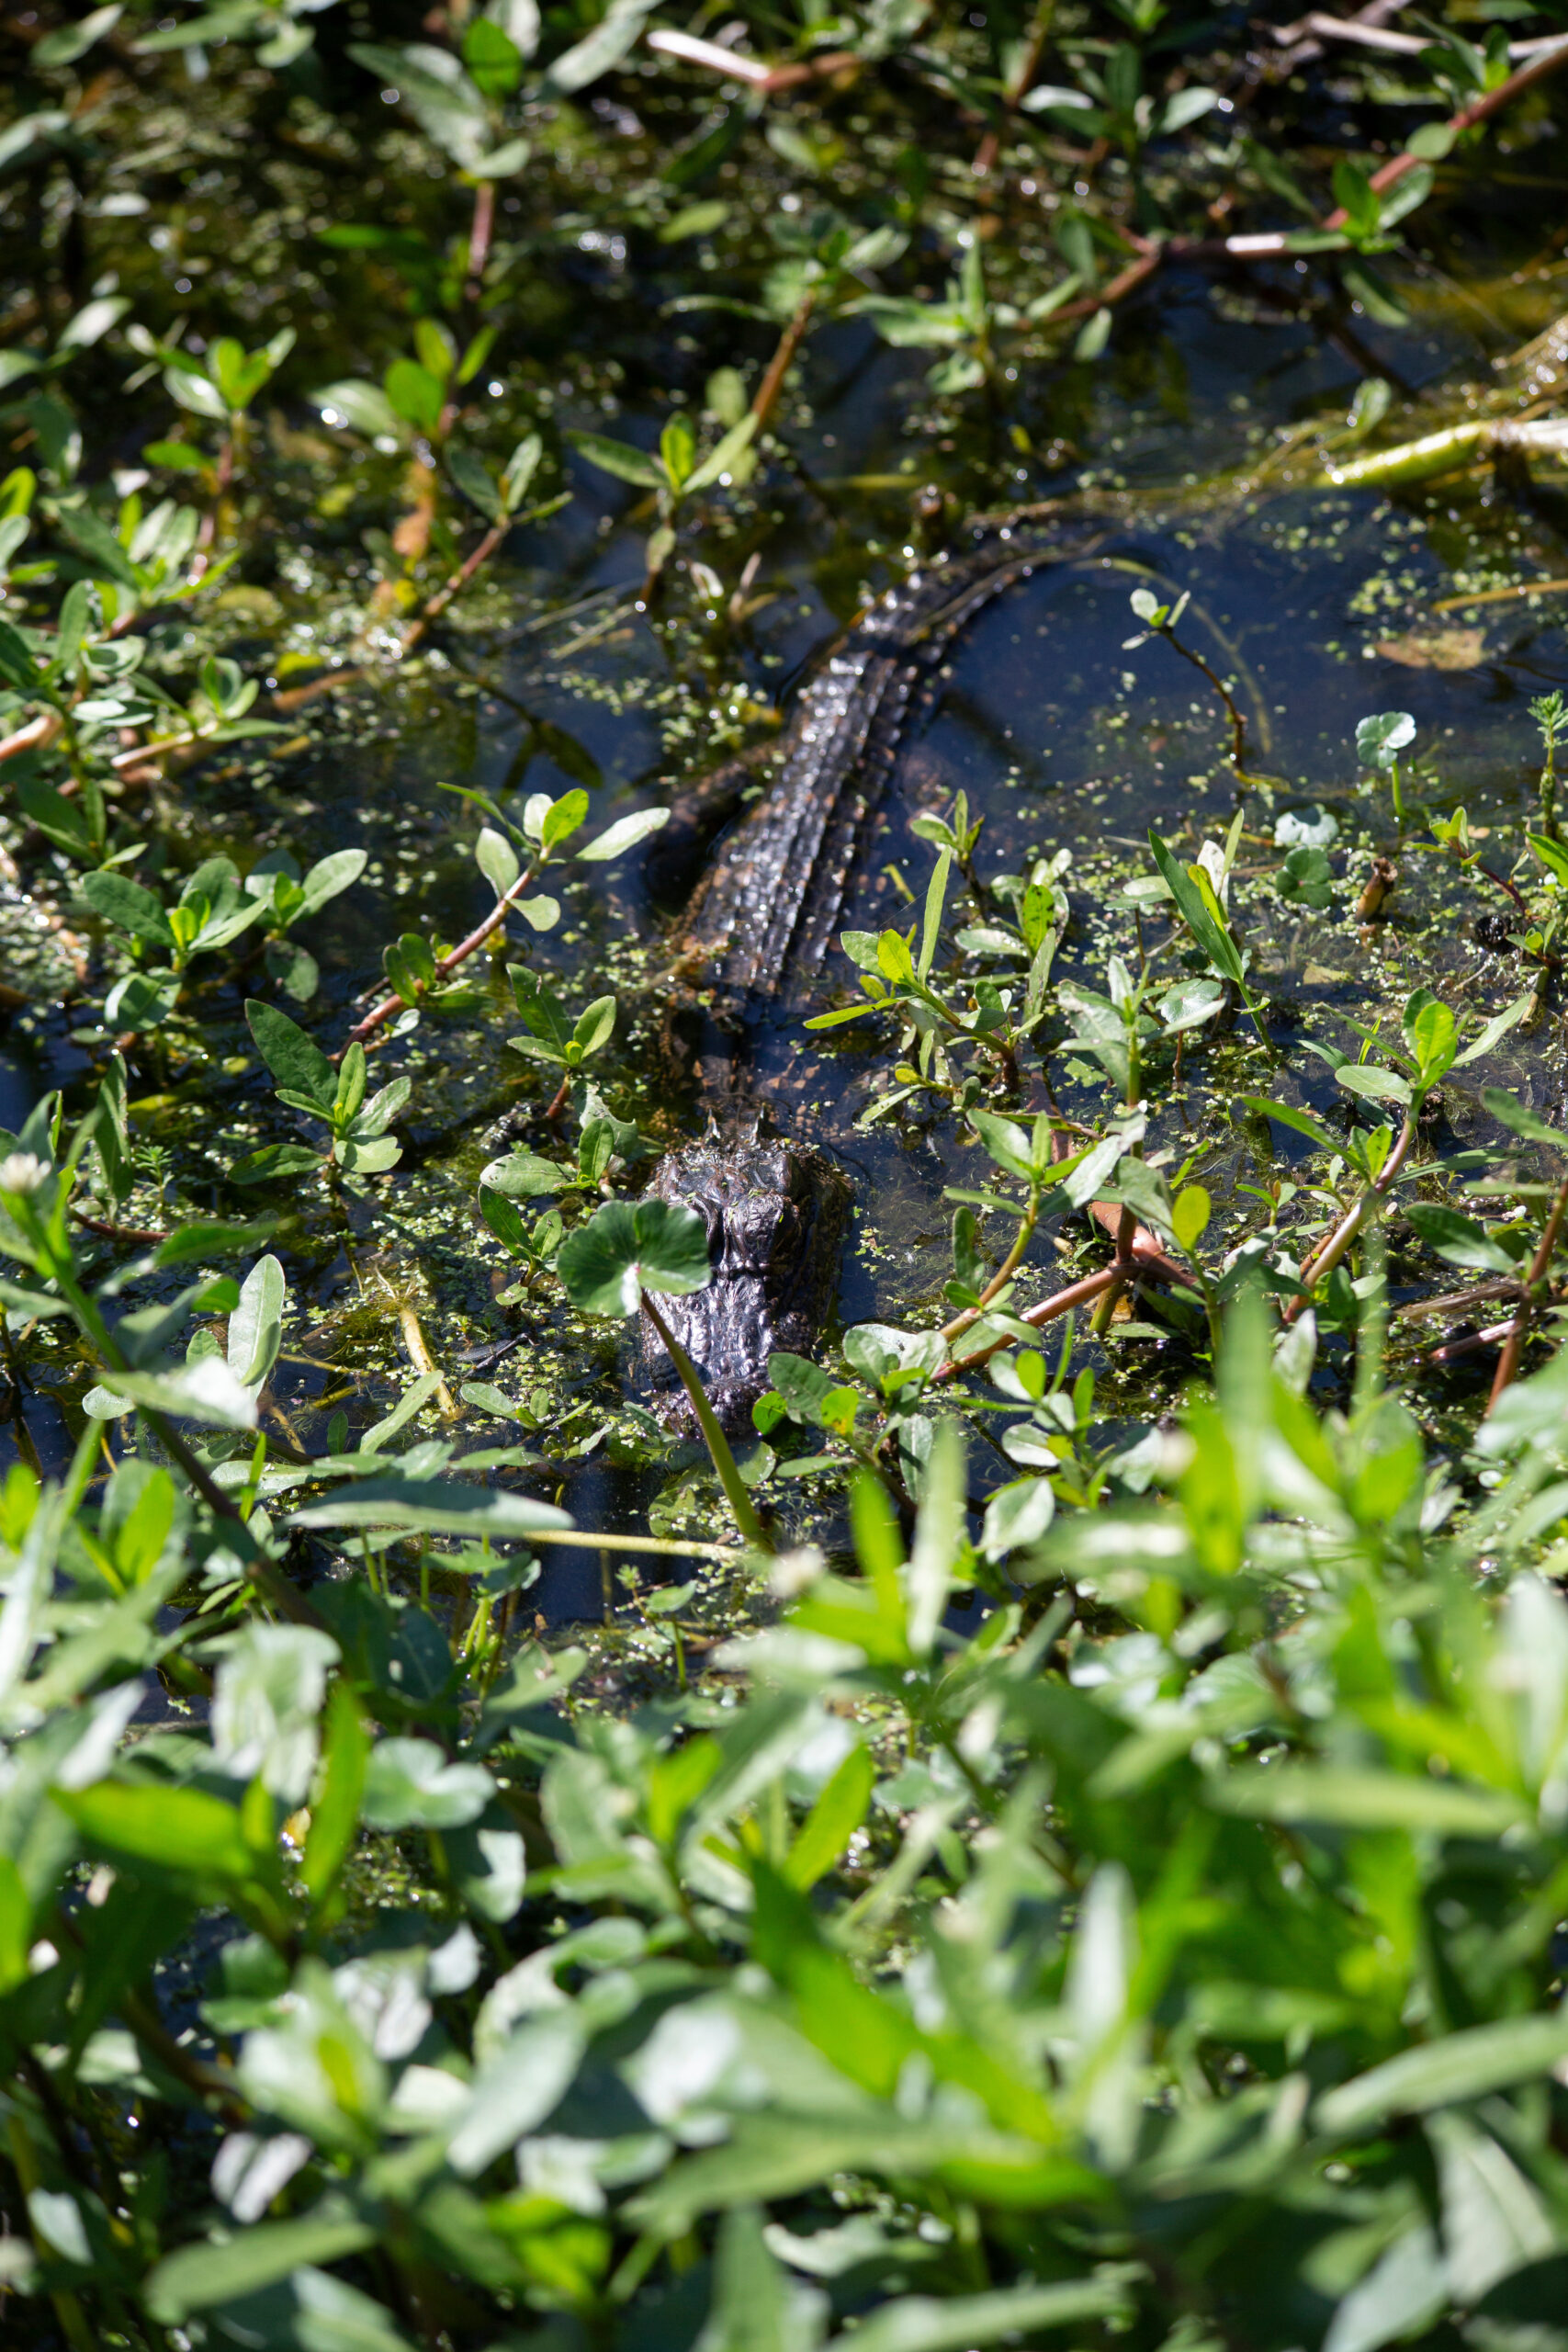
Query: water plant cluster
x=1083, y=1856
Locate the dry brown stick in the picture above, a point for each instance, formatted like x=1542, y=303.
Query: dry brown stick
x=1304, y=49
x=1502, y=596
x=1457, y=1302
x=1144, y=1258
x=1363, y=34
x=1541, y=1265
x=422, y=1359
x=384, y=1010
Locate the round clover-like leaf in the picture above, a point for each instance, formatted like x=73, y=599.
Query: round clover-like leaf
x=625, y=1249
x=1381, y=738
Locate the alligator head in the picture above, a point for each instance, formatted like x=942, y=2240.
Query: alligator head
x=776, y=1214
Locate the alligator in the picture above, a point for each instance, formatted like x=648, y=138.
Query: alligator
x=752, y=939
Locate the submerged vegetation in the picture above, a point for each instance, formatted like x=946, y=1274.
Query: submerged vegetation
x=1081, y=1855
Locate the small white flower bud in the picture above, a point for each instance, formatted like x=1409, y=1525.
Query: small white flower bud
x=22, y=1171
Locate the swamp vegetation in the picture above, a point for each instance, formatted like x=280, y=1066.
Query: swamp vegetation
x=1058, y=1836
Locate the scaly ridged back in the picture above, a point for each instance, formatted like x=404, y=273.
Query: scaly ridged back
x=767, y=909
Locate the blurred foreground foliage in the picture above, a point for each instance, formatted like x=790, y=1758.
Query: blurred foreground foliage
x=1173, y=1959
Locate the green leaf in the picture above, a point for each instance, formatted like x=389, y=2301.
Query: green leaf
x=1495, y=1030
x=516, y=2090
x=501, y=164
x=832, y=1821
x=204, y=1390
x=183, y=1831
x=295, y=1060
x=334, y=1807
x=1458, y=1238
x=477, y=483
x=1301, y=1121
x=624, y=834
x=364, y=408
x=433, y=1506
x=722, y=458
x=1382, y=1085
x=1522, y=1119
x=618, y=458
x=492, y=58
x=497, y=859
x=1456, y=2068
x=415, y=394
x=600, y=49
x=18, y=666
x=1214, y=940
x=68, y=42
x=120, y=900
x=437, y=93
x=219, y=2272
x=1381, y=738
x=561, y=818
x=925, y=2323
x=1552, y=855
x=209, y=1237
x=275, y=1161
x=525, y=1176
x=625, y=1249
x=1190, y=1216
x=1369, y=1800
x=255, y=1326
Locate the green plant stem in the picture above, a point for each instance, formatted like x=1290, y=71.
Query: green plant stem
x=724, y=1461
x=1541, y=1265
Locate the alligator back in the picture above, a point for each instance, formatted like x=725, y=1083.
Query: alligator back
x=765, y=914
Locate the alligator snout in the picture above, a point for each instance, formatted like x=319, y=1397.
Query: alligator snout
x=776, y=1214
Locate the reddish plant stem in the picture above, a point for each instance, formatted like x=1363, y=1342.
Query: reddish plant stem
x=1518, y=1331
x=771, y=385
x=436, y=604
x=480, y=236
x=1028, y=66
x=1490, y=102
x=1143, y=1257
x=1329, y=1251
x=116, y=1232
x=1125, y=283
x=1451, y=1350
x=1260, y=247
x=388, y=1005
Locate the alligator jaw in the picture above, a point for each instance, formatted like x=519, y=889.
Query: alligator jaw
x=776, y=1214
